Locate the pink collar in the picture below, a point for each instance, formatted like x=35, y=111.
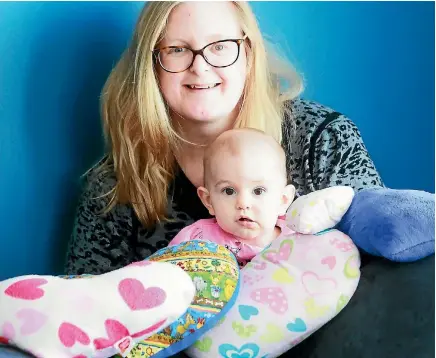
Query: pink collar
x=281, y=223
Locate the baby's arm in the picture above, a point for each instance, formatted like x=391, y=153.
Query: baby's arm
x=186, y=234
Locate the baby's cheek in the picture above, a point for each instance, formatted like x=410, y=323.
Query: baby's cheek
x=224, y=223
x=270, y=211
x=221, y=205
x=270, y=221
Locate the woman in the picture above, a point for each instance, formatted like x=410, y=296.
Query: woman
x=192, y=71
x=164, y=102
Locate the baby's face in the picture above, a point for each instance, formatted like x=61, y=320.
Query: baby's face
x=247, y=194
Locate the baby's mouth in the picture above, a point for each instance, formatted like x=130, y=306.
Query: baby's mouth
x=246, y=222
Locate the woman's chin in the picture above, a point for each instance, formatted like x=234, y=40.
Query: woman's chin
x=206, y=115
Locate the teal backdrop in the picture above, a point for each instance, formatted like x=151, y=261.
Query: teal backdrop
x=373, y=61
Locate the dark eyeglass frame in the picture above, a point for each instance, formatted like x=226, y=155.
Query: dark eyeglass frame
x=156, y=53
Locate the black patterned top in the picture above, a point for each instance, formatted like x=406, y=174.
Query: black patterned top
x=323, y=148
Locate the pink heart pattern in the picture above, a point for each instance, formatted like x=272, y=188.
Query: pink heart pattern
x=116, y=332
x=137, y=297
x=249, y=280
x=45, y=313
x=273, y=297
x=69, y=334
x=282, y=254
x=259, y=265
x=27, y=289
x=315, y=285
x=7, y=331
x=32, y=320
x=330, y=261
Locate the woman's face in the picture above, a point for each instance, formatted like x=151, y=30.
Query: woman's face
x=203, y=92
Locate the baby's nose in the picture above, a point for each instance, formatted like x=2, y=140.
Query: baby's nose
x=243, y=202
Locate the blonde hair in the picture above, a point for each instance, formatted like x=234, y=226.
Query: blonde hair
x=136, y=122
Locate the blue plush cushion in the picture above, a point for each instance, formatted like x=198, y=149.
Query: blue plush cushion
x=396, y=224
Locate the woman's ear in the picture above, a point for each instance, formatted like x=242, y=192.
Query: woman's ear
x=287, y=198
x=204, y=196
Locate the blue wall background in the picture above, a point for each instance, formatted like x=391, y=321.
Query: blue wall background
x=373, y=61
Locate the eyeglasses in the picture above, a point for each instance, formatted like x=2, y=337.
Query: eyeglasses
x=218, y=54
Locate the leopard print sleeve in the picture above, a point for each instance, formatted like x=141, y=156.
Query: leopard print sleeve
x=324, y=148
x=341, y=158
x=99, y=242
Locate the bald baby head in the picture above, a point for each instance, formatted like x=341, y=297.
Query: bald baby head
x=246, y=144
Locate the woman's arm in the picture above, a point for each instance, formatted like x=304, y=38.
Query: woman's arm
x=324, y=148
x=99, y=242
x=338, y=156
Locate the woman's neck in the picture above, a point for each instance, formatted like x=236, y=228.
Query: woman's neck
x=197, y=134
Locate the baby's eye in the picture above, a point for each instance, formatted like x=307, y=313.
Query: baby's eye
x=259, y=191
x=228, y=191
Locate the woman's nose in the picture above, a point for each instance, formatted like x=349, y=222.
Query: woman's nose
x=199, y=65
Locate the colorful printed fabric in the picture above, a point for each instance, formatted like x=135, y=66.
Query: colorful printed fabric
x=95, y=316
x=289, y=291
x=215, y=273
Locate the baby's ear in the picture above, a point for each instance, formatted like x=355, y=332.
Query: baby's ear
x=204, y=196
x=287, y=198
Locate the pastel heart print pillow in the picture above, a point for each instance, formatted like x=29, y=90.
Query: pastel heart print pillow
x=288, y=292
x=319, y=210
x=92, y=316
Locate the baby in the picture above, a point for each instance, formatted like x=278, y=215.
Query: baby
x=245, y=188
